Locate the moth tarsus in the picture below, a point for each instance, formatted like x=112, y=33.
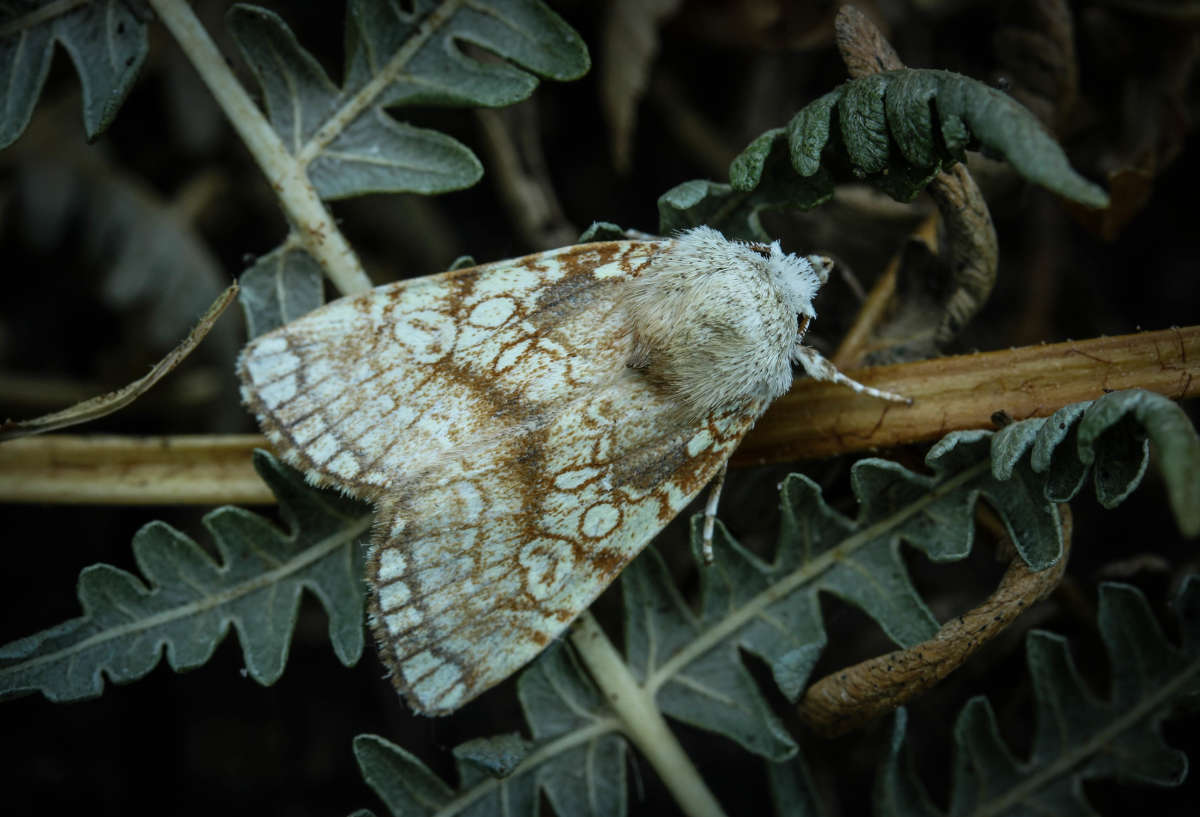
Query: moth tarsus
x=516, y=460
x=710, y=515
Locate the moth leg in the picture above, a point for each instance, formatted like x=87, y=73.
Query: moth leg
x=819, y=368
x=710, y=513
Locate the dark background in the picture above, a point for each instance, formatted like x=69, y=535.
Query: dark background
x=212, y=740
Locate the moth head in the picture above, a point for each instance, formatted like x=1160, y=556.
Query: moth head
x=798, y=278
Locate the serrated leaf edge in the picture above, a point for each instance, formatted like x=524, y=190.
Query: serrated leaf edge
x=1062, y=765
x=464, y=798
x=310, y=555
x=729, y=626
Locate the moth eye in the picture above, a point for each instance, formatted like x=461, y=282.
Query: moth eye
x=762, y=249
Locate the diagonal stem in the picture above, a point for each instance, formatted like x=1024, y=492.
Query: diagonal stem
x=641, y=720
x=285, y=173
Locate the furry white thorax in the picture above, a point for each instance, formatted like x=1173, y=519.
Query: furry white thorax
x=717, y=322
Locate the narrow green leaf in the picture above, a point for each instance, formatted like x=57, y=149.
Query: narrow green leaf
x=1111, y=437
x=750, y=163
x=1029, y=516
x=581, y=755
x=1142, y=658
x=807, y=134
x=106, y=40
x=908, y=116
x=713, y=690
x=189, y=601
x=602, y=231
x=738, y=213
x=984, y=768
x=377, y=154
x=1055, y=450
x=490, y=757
x=772, y=609
x=297, y=93
x=696, y=202
x=863, y=124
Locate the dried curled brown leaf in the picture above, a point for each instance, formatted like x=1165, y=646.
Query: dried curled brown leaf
x=920, y=327
x=848, y=698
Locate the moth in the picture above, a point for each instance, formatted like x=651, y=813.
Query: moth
x=524, y=428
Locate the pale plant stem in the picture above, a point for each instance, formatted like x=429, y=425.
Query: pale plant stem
x=287, y=175
x=814, y=420
x=641, y=720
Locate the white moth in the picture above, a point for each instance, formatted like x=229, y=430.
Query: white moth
x=526, y=427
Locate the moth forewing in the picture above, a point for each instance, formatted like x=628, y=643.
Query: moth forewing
x=371, y=388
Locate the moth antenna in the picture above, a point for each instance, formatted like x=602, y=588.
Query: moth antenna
x=819, y=368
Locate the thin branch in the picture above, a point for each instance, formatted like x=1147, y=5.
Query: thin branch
x=106, y=404
x=286, y=174
x=813, y=421
x=641, y=720
x=970, y=247
x=370, y=93
x=177, y=470
x=817, y=420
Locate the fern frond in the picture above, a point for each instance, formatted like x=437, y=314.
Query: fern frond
x=395, y=57
x=895, y=130
x=576, y=756
x=106, y=40
x=687, y=662
x=188, y=601
x=1078, y=736
x=343, y=137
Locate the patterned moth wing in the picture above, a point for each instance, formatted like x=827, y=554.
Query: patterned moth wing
x=516, y=461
